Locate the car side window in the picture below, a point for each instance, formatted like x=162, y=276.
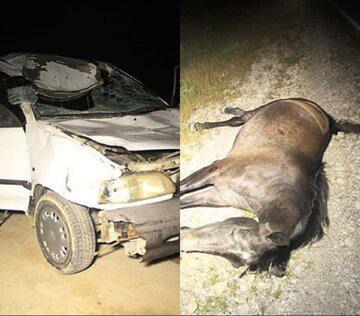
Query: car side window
x=10, y=117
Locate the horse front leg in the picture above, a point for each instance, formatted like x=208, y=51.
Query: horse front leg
x=206, y=197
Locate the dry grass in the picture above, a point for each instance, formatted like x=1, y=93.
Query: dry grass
x=218, y=44
x=215, y=52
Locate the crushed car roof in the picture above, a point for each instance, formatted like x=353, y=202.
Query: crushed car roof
x=135, y=118
x=53, y=76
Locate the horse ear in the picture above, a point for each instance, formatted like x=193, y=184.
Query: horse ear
x=278, y=239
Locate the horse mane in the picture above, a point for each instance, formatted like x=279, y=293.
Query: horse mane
x=313, y=231
x=318, y=219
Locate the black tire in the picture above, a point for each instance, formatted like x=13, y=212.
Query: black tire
x=65, y=233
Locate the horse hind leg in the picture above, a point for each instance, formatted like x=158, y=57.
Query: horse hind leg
x=232, y=110
x=197, y=126
x=233, y=122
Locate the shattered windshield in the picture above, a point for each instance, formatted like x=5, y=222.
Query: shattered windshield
x=119, y=95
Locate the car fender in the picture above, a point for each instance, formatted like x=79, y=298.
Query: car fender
x=64, y=165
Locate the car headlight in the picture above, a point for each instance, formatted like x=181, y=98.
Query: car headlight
x=135, y=187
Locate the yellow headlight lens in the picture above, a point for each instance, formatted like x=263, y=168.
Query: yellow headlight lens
x=135, y=187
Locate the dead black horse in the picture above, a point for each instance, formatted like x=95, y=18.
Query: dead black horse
x=274, y=170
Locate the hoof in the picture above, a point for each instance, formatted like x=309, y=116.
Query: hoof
x=225, y=109
x=195, y=127
x=231, y=110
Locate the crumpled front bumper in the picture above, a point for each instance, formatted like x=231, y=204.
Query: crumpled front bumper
x=155, y=223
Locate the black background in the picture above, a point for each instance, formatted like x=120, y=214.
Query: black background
x=139, y=37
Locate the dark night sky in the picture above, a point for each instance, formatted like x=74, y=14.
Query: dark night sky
x=139, y=37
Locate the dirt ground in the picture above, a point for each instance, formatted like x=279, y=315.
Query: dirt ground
x=113, y=284
x=291, y=48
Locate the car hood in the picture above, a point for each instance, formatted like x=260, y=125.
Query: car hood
x=158, y=130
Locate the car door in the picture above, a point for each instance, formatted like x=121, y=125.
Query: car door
x=15, y=186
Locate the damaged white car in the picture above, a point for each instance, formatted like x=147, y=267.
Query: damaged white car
x=92, y=155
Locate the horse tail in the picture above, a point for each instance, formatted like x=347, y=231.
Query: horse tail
x=344, y=126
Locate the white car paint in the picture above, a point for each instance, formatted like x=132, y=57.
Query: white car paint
x=46, y=154
x=150, y=131
x=54, y=134
x=14, y=153
x=76, y=171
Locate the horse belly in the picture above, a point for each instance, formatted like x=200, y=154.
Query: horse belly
x=286, y=128
x=247, y=181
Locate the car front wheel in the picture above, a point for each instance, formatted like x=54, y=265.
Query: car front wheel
x=65, y=233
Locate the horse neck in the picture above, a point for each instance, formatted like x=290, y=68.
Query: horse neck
x=287, y=212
